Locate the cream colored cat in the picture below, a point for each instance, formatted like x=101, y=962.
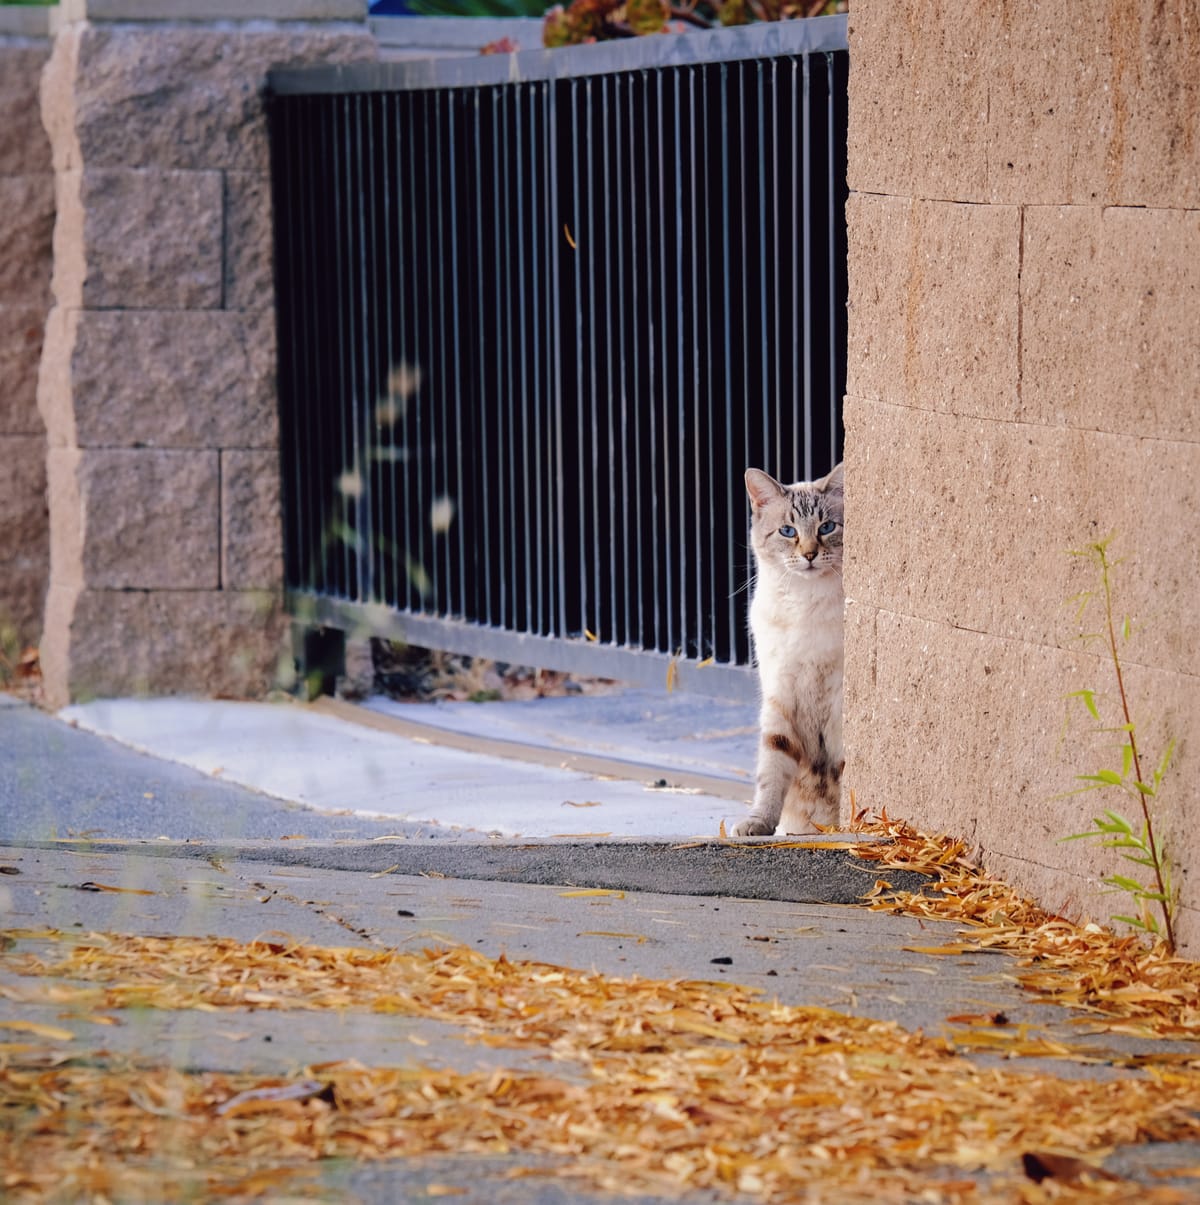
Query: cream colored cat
x=796, y=623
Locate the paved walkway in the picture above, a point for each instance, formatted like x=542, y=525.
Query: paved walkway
x=194, y=854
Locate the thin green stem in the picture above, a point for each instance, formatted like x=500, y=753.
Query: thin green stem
x=1130, y=729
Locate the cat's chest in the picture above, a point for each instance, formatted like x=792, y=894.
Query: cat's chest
x=797, y=622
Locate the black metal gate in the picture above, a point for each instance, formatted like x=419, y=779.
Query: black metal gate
x=536, y=316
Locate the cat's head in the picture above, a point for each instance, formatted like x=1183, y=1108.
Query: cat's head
x=797, y=528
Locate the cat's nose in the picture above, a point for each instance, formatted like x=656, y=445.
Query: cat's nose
x=810, y=556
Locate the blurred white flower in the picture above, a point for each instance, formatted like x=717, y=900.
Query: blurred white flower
x=441, y=514
x=350, y=484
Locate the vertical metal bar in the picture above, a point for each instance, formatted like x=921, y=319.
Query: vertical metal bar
x=628, y=567
x=794, y=275
x=614, y=451
x=339, y=175
x=728, y=349
x=580, y=234
x=300, y=183
x=439, y=446
x=831, y=260
x=657, y=456
x=710, y=476
x=767, y=402
x=681, y=421
x=806, y=234
x=702, y=538
x=520, y=401
x=556, y=385
x=404, y=207
x=642, y=404
x=455, y=533
x=501, y=399
x=539, y=467
x=587, y=237
x=390, y=585
x=363, y=425
x=775, y=394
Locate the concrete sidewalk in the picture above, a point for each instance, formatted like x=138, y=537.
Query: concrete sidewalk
x=633, y=764
x=843, y=958
x=184, y=853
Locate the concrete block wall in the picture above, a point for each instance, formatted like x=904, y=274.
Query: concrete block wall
x=1024, y=378
x=26, y=226
x=157, y=381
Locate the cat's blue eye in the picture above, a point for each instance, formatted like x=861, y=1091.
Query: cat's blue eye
x=827, y=528
x=788, y=531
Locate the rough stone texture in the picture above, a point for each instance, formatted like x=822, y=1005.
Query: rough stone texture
x=971, y=733
x=21, y=128
x=1087, y=103
x=157, y=381
x=1022, y=381
x=251, y=521
x=119, y=642
x=24, y=533
x=937, y=326
x=20, y=350
x=142, y=240
x=166, y=379
x=918, y=68
x=249, y=272
x=969, y=522
x=186, y=97
x=1111, y=337
x=26, y=229
x=150, y=519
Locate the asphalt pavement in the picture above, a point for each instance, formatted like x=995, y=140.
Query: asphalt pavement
x=96, y=836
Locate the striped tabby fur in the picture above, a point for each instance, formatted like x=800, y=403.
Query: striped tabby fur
x=796, y=623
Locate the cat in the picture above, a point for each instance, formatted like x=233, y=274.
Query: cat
x=796, y=625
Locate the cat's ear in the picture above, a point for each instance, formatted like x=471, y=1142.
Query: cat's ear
x=833, y=483
x=762, y=487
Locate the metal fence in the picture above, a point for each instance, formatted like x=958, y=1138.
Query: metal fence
x=537, y=314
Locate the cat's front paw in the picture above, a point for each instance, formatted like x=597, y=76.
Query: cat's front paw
x=754, y=826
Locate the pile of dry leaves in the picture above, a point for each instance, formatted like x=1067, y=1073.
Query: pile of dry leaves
x=1121, y=983
x=650, y=1086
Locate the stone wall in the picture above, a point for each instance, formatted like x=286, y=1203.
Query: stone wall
x=26, y=224
x=157, y=382
x=1024, y=378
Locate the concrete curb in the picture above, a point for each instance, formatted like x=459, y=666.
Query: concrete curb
x=792, y=873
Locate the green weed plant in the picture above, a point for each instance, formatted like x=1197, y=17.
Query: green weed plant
x=1137, y=844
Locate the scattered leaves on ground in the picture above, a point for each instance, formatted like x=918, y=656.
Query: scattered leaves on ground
x=1123, y=984
x=649, y=1086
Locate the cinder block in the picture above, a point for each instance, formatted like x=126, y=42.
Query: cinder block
x=1093, y=103
x=933, y=320
x=179, y=95
x=962, y=732
x=111, y=643
x=172, y=379
x=24, y=532
x=26, y=235
x=919, y=97
x=969, y=522
x=20, y=351
x=1110, y=317
x=1086, y=103
x=24, y=147
x=149, y=519
x=139, y=240
x=251, y=521
x=249, y=271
